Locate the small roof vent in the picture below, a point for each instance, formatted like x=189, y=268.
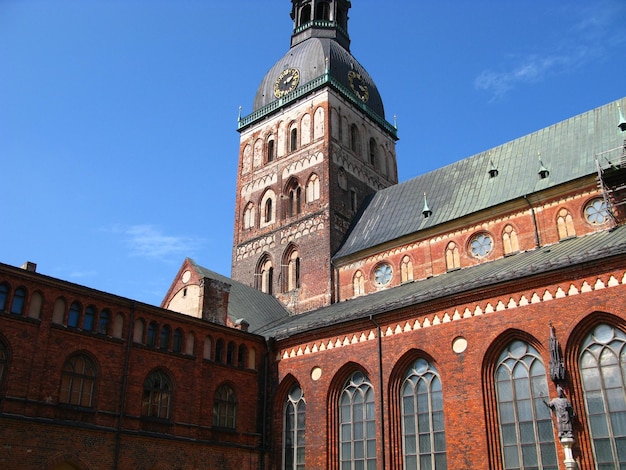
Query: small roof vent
x=426, y=210
x=543, y=171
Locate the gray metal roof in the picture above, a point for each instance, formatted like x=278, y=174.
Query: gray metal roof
x=309, y=57
x=257, y=308
x=567, y=151
x=567, y=253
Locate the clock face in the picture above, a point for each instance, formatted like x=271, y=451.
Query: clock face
x=358, y=85
x=287, y=81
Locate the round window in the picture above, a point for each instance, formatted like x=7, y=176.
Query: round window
x=481, y=245
x=382, y=275
x=596, y=212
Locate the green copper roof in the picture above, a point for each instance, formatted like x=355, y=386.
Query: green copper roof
x=566, y=150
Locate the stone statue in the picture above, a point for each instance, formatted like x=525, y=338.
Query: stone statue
x=562, y=409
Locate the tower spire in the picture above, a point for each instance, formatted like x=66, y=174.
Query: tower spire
x=322, y=19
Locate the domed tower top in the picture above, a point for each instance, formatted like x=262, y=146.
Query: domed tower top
x=319, y=56
x=322, y=19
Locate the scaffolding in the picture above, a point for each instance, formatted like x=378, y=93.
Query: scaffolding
x=611, y=167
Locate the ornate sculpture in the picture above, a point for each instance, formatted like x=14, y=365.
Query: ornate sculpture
x=562, y=409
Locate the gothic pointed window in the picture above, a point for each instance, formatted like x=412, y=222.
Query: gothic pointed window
x=264, y=276
x=510, y=241
x=294, y=421
x=294, y=198
x=453, y=257
x=248, y=216
x=406, y=269
x=526, y=432
x=225, y=407
x=157, y=396
x=603, y=372
x=358, y=284
x=565, y=224
x=373, y=153
x=357, y=424
x=270, y=150
x=354, y=138
x=268, y=208
x=423, y=437
x=293, y=139
x=313, y=189
x=291, y=269
x=78, y=379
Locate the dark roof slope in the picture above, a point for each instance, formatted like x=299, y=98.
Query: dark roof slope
x=567, y=151
x=597, y=246
x=257, y=308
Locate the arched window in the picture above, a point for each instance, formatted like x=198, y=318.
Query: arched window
x=103, y=322
x=153, y=330
x=293, y=139
x=19, y=299
x=291, y=269
x=294, y=421
x=603, y=373
x=526, y=434
x=509, y=240
x=406, y=269
x=35, y=304
x=249, y=216
x=73, y=317
x=565, y=224
x=241, y=355
x=453, y=257
x=230, y=353
x=157, y=396
x=219, y=350
x=270, y=150
x=78, y=380
x=357, y=423
x=354, y=138
x=90, y=318
x=313, y=189
x=264, y=277
x=4, y=297
x=322, y=11
x=138, y=330
x=358, y=284
x=178, y=340
x=373, y=153
x=164, y=340
x=305, y=15
x=208, y=346
x=118, y=326
x=294, y=198
x=423, y=437
x=269, y=214
x=225, y=407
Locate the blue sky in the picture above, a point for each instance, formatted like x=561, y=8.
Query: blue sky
x=118, y=141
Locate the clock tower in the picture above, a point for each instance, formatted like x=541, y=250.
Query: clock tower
x=314, y=147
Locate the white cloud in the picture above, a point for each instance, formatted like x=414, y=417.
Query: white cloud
x=593, y=32
x=148, y=241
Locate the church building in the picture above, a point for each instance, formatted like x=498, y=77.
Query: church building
x=473, y=317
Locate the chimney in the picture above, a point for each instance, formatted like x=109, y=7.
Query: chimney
x=29, y=266
x=214, y=300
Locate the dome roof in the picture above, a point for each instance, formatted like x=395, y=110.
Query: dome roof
x=309, y=57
